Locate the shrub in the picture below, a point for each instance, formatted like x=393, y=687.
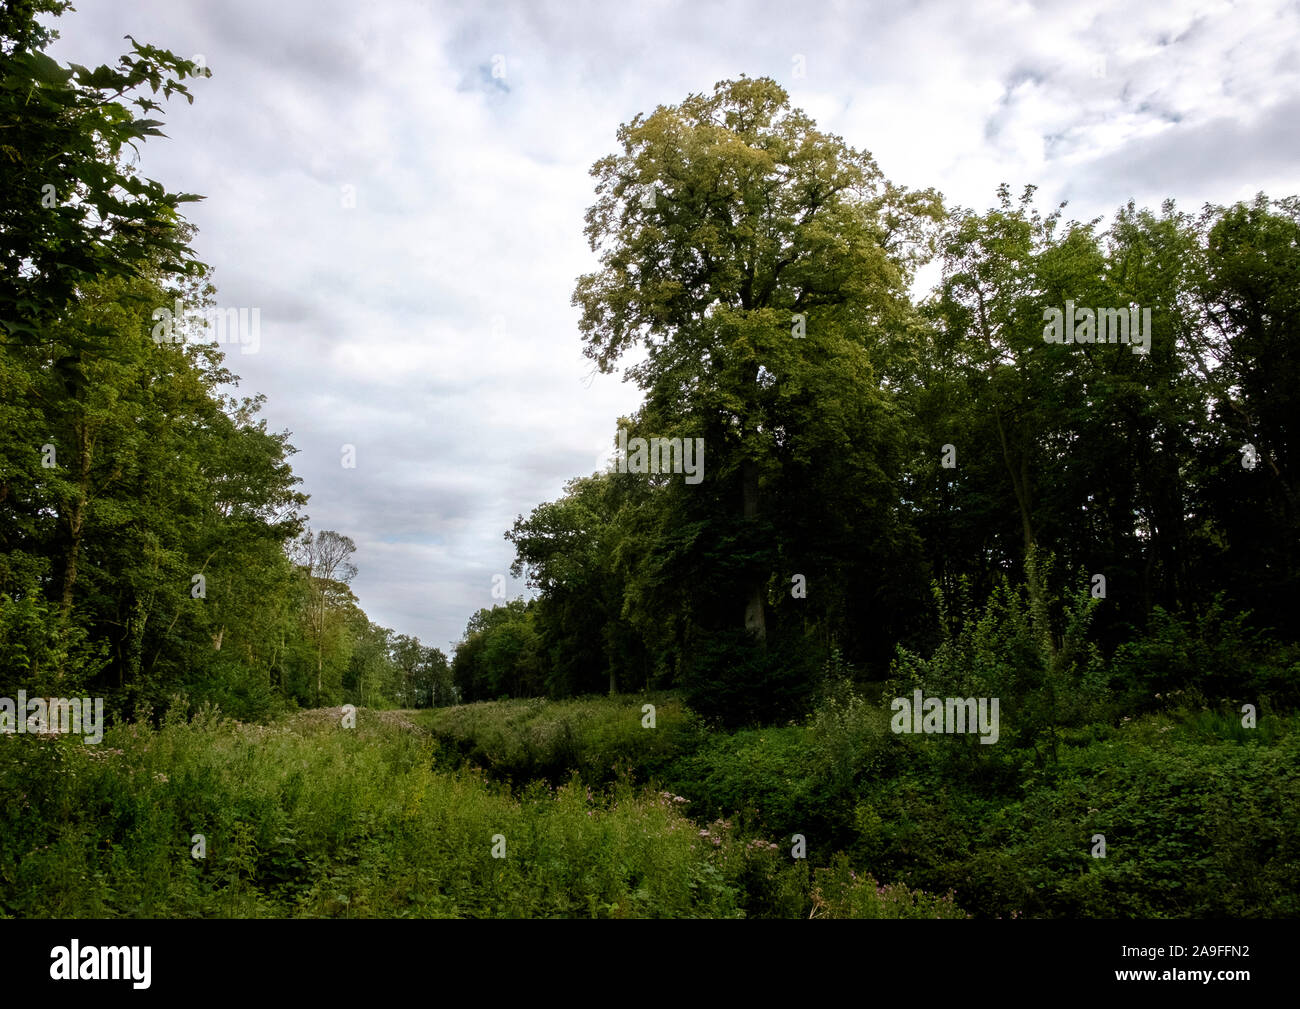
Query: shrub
x=733, y=680
x=1215, y=654
x=1044, y=681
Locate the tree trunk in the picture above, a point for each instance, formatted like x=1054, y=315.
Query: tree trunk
x=76, y=519
x=755, y=618
x=320, y=644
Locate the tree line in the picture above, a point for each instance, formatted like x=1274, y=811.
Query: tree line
x=878, y=467
x=152, y=533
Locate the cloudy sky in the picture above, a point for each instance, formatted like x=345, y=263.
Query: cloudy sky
x=399, y=188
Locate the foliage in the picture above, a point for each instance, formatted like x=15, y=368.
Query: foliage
x=73, y=212
x=147, y=514
x=304, y=818
x=840, y=892
x=1182, y=790
x=599, y=739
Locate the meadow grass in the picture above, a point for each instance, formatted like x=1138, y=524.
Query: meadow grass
x=304, y=818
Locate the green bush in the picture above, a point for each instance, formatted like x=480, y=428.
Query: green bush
x=1046, y=679
x=1197, y=810
x=1195, y=827
x=1216, y=655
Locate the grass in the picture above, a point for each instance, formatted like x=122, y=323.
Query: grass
x=602, y=739
x=598, y=816
x=304, y=818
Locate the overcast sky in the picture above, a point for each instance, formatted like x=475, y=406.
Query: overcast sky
x=430, y=326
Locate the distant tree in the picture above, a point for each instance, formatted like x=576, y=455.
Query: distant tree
x=500, y=654
x=324, y=560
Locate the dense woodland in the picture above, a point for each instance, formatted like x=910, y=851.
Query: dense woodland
x=911, y=461
x=897, y=491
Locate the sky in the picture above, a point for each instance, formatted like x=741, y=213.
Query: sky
x=399, y=189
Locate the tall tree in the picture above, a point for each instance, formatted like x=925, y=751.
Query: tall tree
x=763, y=265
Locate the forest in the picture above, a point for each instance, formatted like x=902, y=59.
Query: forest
x=1065, y=479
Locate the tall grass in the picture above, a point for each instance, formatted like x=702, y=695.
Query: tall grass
x=600, y=738
x=305, y=818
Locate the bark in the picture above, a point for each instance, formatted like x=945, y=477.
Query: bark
x=76, y=519
x=755, y=617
